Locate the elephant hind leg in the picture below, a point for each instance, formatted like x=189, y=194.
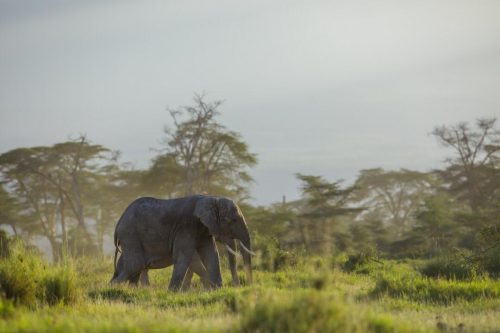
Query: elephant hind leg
x=129, y=267
x=134, y=278
x=144, y=278
x=118, y=271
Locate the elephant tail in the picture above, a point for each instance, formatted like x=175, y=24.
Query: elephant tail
x=117, y=249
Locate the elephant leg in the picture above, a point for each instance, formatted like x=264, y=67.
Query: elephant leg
x=144, y=278
x=131, y=263
x=186, y=284
x=232, y=263
x=200, y=270
x=181, y=265
x=196, y=267
x=210, y=259
x=118, y=272
x=134, y=278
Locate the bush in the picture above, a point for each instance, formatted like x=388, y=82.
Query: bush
x=19, y=275
x=60, y=286
x=274, y=257
x=113, y=294
x=25, y=278
x=491, y=262
x=422, y=289
x=312, y=312
x=6, y=308
x=450, y=268
x=4, y=244
x=360, y=262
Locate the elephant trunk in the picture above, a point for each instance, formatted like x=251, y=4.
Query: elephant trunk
x=244, y=239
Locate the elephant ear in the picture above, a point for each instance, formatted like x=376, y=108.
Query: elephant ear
x=207, y=211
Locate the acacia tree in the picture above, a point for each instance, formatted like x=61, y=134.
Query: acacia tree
x=394, y=196
x=21, y=169
x=323, y=202
x=472, y=174
x=9, y=211
x=204, y=155
x=114, y=187
x=435, y=225
x=51, y=183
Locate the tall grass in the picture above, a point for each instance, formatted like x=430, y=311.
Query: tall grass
x=455, y=268
x=312, y=295
x=442, y=291
x=26, y=279
x=315, y=312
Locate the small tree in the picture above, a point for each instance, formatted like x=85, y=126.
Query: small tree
x=323, y=203
x=54, y=186
x=472, y=174
x=207, y=156
x=435, y=223
x=394, y=196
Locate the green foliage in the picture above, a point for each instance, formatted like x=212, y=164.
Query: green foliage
x=304, y=313
x=421, y=289
x=113, y=294
x=393, y=196
x=6, y=308
x=25, y=279
x=20, y=274
x=274, y=257
x=311, y=296
x=490, y=262
x=313, y=312
x=4, y=244
x=204, y=155
x=322, y=204
x=361, y=262
x=473, y=172
x=449, y=267
x=61, y=285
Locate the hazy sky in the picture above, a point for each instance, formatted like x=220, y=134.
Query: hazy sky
x=319, y=87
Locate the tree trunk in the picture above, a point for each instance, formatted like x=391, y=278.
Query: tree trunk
x=62, y=216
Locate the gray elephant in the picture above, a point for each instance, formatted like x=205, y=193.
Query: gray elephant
x=155, y=233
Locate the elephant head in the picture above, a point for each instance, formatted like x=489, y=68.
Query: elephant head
x=226, y=223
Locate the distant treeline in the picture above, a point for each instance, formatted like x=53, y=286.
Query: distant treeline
x=73, y=192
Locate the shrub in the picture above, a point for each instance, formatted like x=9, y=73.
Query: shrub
x=60, y=285
x=360, y=262
x=450, y=268
x=423, y=289
x=312, y=312
x=114, y=294
x=4, y=244
x=274, y=257
x=6, y=308
x=25, y=278
x=491, y=262
x=19, y=274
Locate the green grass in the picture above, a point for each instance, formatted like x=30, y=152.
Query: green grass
x=314, y=295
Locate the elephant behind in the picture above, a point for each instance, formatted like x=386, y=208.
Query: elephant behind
x=155, y=233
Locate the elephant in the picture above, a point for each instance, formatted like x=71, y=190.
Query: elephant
x=155, y=233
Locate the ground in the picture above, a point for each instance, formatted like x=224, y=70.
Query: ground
x=313, y=295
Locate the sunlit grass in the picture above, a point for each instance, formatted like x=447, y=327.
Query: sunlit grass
x=315, y=295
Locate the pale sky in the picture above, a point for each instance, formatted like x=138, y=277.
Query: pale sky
x=317, y=87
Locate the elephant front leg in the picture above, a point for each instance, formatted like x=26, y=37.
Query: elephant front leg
x=186, y=284
x=181, y=266
x=210, y=258
x=232, y=264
